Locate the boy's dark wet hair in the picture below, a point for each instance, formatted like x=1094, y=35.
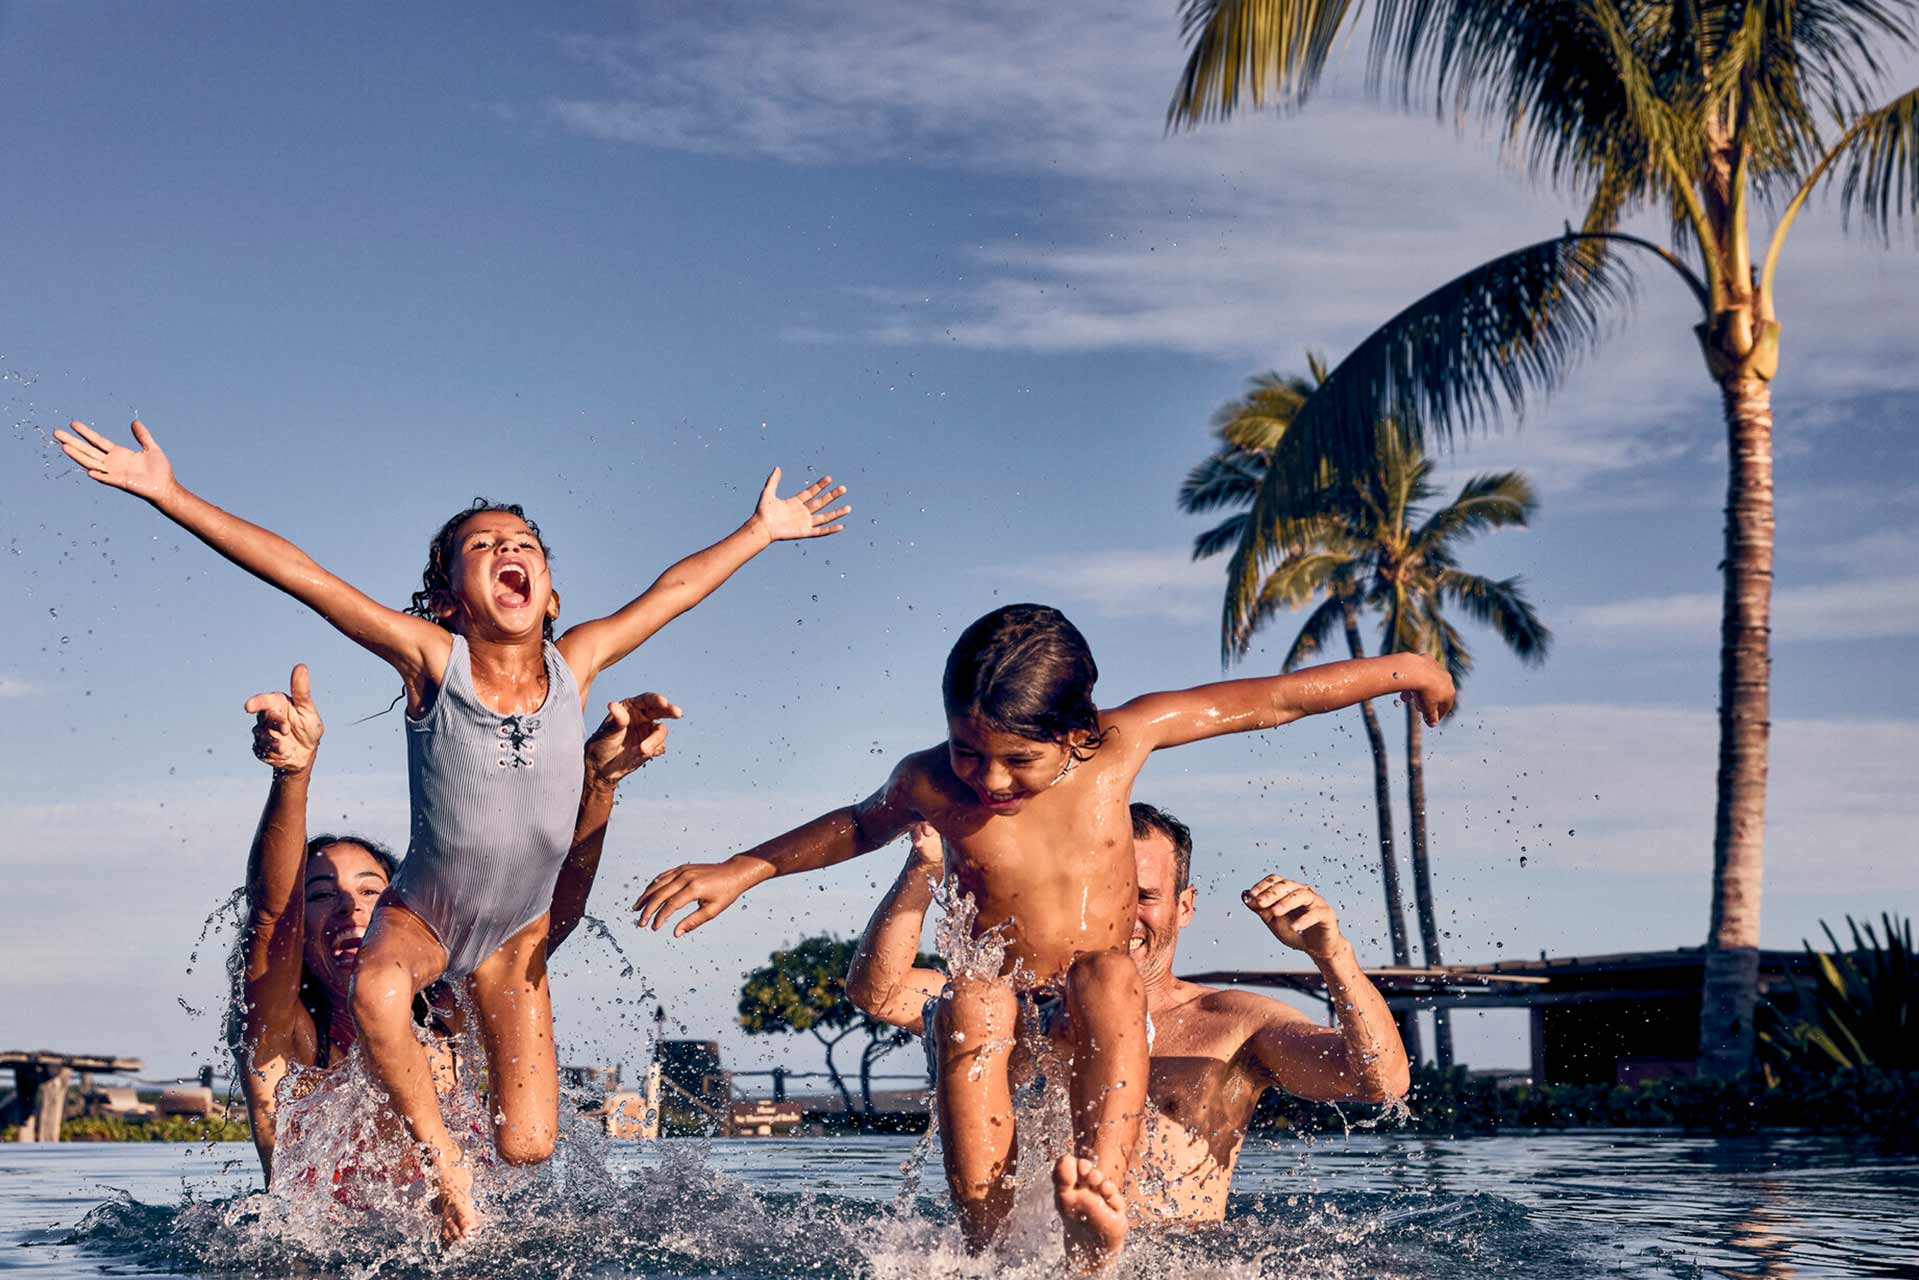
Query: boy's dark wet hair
x=1025, y=670
x=1147, y=820
x=439, y=554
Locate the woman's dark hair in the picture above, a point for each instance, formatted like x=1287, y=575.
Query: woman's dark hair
x=1025, y=670
x=439, y=555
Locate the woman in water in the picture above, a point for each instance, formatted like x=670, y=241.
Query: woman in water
x=310, y=899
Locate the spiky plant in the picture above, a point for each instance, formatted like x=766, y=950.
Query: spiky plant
x=1696, y=111
x=1859, y=1008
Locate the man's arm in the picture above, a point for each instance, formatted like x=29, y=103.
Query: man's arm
x=827, y=840
x=1362, y=1057
x=633, y=733
x=1174, y=718
x=883, y=981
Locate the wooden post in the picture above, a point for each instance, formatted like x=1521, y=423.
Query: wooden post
x=52, y=1107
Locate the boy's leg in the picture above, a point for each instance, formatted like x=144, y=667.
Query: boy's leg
x=398, y=958
x=516, y=1023
x=1107, y=1006
x=976, y=1026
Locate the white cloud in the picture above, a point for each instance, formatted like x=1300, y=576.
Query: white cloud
x=15, y=687
x=1120, y=584
x=1858, y=609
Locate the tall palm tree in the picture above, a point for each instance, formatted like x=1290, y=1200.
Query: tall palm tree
x=1248, y=429
x=1692, y=110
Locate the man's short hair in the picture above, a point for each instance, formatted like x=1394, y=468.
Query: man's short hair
x=1147, y=820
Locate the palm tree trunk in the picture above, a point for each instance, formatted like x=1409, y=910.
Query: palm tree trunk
x=1422, y=875
x=1738, y=855
x=1388, y=857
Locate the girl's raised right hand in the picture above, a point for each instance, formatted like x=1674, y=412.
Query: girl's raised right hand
x=143, y=472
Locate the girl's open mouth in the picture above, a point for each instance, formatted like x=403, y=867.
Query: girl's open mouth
x=514, y=585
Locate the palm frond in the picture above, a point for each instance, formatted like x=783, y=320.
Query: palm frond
x=1454, y=360
x=1225, y=534
x=1255, y=51
x=1503, y=606
x=1496, y=500
x=1224, y=478
x=1311, y=640
x=1880, y=163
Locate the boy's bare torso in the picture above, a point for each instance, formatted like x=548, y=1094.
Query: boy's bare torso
x=1059, y=875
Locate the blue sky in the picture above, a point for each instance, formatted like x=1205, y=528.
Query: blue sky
x=356, y=264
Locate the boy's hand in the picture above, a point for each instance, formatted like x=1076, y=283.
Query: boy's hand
x=143, y=472
x=713, y=885
x=799, y=516
x=286, y=726
x=929, y=851
x=1296, y=914
x=633, y=732
x=1430, y=688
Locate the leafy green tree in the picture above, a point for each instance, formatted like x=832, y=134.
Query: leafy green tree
x=1697, y=111
x=803, y=989
x=1248, y=429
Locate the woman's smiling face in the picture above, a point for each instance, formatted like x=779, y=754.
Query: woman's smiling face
x=343, y=882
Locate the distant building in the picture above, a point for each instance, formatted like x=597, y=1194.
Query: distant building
x=1612, y=1019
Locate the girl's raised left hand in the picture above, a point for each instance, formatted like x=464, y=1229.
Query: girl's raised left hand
x=800, y=516
x=143, y=472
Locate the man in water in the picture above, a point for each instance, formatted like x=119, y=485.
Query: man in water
x=1214, y=1052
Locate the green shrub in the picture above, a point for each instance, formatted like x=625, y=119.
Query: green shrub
x=1859, y=1009
x=155, y=1129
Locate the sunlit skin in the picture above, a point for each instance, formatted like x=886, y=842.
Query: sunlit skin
x=1048, y=854
x=499, y=596
x=308, y=915
x=1214, y=1052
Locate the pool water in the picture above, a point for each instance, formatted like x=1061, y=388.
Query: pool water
x=1556, y=1205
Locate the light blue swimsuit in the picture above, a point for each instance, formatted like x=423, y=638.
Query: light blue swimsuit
x=495, y=799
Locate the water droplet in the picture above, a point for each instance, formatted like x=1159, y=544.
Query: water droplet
x=53, y=613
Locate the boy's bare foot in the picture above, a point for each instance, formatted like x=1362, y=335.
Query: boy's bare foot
x=458, y=1217
x=1093, y=1211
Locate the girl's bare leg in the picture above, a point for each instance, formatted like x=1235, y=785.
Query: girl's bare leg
x=1107, y=1012
x=398, y=958
x=976, y=1026
x=516, y=1023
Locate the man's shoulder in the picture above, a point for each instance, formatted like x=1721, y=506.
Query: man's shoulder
x=1251, y=1008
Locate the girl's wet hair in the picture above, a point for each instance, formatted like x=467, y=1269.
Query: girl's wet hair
x=436, y=578
x=1025, y=670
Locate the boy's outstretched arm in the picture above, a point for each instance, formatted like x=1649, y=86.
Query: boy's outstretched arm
x=883, y=980
x=592, y=647
x=828, y=839
x=633, y=733
x=1238, y=706
x=414, y=647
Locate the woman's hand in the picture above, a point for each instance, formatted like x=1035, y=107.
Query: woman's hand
x=1296, y=914
x=799, y=516
x=143, y=472
x=286, y=726
x=633, y=733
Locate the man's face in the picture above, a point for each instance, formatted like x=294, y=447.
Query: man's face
x=1162, y=912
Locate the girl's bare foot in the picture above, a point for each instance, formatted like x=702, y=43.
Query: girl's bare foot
x=458, y=1217
x=1094, y=1213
